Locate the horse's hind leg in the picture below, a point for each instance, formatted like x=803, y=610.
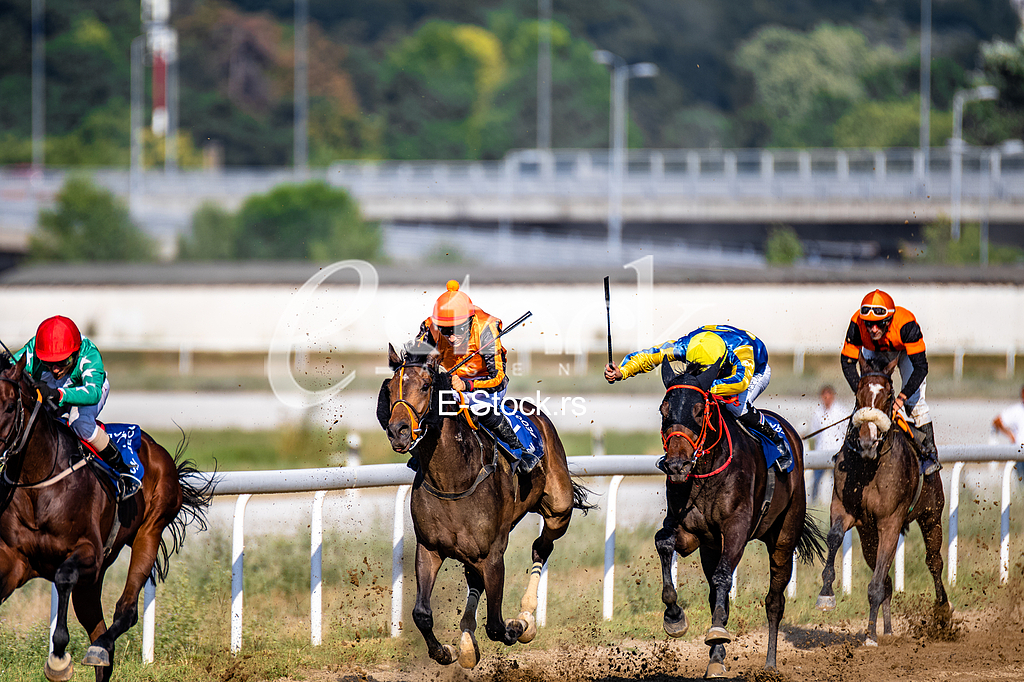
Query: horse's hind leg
x=428, y=563
x=89, y=609
x=469, y=650
x=555, y=525
x=841, y=522
x=931, y=528
x=879, y=548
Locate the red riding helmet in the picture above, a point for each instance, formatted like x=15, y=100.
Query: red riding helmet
x=452, y=308
x=877, y=306
x=56, y=339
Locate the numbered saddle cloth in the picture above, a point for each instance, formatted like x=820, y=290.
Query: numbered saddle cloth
x=525, y=430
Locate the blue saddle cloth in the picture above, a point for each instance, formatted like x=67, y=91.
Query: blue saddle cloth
x=128, y=439
x=772, y=453
x=529, y=436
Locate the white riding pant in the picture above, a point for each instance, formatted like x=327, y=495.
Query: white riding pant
x=756, y=387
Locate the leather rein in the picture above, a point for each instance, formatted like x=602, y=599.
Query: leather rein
x=20, y=432
x=419, y=430
x=699, y=445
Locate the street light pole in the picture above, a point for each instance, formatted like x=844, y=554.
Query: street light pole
x=961, y=97
x=621, y=72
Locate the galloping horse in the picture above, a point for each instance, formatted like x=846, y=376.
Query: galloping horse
x=61, y=523
x=878, y=489
x=721, y=495
x=466, y=499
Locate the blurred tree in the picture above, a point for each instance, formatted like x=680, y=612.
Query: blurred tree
x=890, y=124
x=783, y=246
x=309, y=221
x=941, y=250
x=88, y=223
x=213, y=235
x=1003, y=67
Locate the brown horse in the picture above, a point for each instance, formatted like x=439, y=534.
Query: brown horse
x=466, y=499
x=721, y=495
x=878, y=488
x=59, y=521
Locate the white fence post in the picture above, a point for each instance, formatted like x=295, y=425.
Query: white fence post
x=848, y=562
x=901, y=551
x=397, y=542
x=609, y=548
x=316, y=555
x=954, y=520
x=237, y=577
x=1004, y=526
x=149, y=620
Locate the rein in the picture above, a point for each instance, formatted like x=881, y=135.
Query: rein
x=21, y=432
x=699, y=448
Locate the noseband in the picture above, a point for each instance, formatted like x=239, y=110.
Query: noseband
x=699, y=445
x=418, y=428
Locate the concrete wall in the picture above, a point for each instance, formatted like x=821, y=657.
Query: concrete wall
x=567, y=318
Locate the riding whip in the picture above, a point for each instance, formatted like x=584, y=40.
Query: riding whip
x=608, y=311
x=506, y=330
x=811, y=435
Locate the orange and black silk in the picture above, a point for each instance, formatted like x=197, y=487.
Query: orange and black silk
x=904, y=334
x=485, y=371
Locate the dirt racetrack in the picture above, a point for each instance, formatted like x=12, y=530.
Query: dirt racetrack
x=981, y=646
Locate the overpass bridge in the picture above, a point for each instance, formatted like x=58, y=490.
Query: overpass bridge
x=661, y=188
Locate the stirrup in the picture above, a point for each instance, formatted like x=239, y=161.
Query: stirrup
x=930, y=466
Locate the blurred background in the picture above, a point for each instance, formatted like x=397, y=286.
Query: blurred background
x=172, y=173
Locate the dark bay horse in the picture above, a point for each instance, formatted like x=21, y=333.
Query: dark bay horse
x=58, y=522
x=721, y=495
x=878, y=488
x=466, y=500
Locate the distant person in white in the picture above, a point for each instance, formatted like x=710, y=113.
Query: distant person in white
x=831, y=414
x=1010, y=423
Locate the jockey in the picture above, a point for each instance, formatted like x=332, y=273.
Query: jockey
x=68, y=371
x=881, y=327
x=457, y=328
x=743, y=372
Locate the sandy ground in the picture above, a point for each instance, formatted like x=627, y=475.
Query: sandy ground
x=980, y=646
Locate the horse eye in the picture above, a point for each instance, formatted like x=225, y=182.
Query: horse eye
x=9, y=407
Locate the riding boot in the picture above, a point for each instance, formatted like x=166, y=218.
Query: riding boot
x=112, y=456
x=501, y=426
x=753, y=419
x=925, y=438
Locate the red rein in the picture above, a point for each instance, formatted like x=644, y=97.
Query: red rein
x=698, y=445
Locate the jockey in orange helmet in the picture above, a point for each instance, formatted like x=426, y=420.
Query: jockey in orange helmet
x=881, y=327
x=457, y=329
x=69, y=374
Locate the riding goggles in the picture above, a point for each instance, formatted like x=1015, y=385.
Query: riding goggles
x=60, y=366
x=875, y=310
x=457, y=330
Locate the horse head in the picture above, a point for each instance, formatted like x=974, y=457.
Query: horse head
x=871, y=418
x=687, y=418
x=408, y=402
x=15, y=392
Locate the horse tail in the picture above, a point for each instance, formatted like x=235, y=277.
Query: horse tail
x=811, y=544
x=196, y=494
x=579, y=497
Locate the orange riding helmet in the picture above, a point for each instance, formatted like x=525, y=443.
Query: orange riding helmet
x=56, y=339
x=452, y=308
x=877, y=307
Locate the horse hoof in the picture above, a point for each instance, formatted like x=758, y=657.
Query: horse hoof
x=826, y=603
x=677, y=628
x=59, y=669
x=96, y=656
x=717, y=635
x=469, y=651
x=943, y=615
x=715, y=670
x=870, y=642
x=447, y=655
x=510, y=630
x=531, y=627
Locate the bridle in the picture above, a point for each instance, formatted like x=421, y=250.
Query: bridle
x=886, y=409
x=419, y=428
x=699, y=444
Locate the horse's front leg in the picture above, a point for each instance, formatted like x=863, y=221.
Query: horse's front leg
x=841, y=522
x=718, y=569
x=428, y=563
x=668, y=541
x=58, y=666
x=87, y=599
x=469, y=650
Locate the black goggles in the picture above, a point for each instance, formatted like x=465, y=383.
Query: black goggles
x=875, y=310
x=60, y=365
x=456, y=330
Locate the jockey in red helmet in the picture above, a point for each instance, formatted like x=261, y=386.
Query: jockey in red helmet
x=69, y=374
x=880, y=327
x=457, y=329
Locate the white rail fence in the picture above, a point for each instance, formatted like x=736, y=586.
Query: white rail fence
x=320, y=481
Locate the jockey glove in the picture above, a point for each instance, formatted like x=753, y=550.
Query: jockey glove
x=51, y=396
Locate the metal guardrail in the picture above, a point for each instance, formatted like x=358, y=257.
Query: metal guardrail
x=319, y=481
